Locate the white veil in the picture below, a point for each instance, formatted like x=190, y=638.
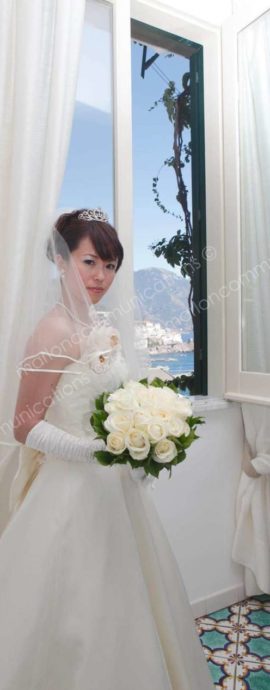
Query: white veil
x=55, y=301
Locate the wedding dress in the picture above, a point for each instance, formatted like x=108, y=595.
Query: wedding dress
x=91, y=597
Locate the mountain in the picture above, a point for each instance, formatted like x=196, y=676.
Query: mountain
x=162, y=296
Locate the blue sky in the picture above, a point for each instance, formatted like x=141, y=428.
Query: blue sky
x=88, y=178
x=152, y=144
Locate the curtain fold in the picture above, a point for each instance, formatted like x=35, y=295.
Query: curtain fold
x=254, y=143
x=39, y=58
x=251, y=546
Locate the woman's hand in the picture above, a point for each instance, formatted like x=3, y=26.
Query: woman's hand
x=53, y=440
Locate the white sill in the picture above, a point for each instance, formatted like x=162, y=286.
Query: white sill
x=205, y=403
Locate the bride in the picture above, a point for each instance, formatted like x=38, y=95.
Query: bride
x=91, y=597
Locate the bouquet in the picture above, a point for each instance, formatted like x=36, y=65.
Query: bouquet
x=148, y=425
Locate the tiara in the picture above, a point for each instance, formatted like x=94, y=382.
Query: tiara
x=93, y=214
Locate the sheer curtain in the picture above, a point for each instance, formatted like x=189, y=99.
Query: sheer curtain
x=39, y=57
x=251, y=545
x=254, y=108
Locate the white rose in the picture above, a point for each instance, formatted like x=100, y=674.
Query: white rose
x=183, y=406
x=176, y=426
x=111, y=407
x=141, y=419
x=118, y=421
x=165, y=415
x=163, y=396
x=137, y=443
x=155, y=400
x=134, y=386
x=156, y=430
x=115, y=443
x=163, y=402
x=121, y=399
x=165, y=451
x=142, y=397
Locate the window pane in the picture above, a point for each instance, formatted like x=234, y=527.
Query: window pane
x=88, y=180
x=157, y=212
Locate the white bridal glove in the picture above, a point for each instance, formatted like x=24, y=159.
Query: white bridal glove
x=49, y=439
x=138, y=475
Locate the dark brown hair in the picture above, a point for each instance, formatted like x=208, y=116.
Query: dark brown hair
x=72, y=229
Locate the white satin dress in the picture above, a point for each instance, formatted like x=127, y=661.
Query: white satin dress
x=91, y=597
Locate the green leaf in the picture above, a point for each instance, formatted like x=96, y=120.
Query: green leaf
x=99, y=402
x=154, y=468
x=171, y=385
x=102, y=415
x=103, y=457
x=105, y=398
x=157, y=382
x=180, y=457
x=179, y=444
x=195, y=420
x=98, y=423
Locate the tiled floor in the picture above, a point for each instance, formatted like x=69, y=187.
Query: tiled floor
x=236, y=642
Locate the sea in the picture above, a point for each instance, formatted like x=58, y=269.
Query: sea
x=175, y=363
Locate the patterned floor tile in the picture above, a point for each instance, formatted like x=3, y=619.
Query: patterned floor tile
x=261, y=599
x=260, y=646
x=232, y=671
x=215, y=640
x=258, y=603
x=236, y=628
x=217, y=674
x=224, y=618
x=222, y=614
x=251, y=678
x=236, y=643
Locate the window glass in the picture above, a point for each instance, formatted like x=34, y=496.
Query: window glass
x=88, y=179
x=163, y=291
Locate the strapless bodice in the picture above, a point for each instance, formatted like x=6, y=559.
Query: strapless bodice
x=102, y=367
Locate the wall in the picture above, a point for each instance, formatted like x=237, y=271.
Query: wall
x=249, y=7
x=209, y=11
x=197, y=508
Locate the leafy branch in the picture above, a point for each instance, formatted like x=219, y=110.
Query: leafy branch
x=178, y=251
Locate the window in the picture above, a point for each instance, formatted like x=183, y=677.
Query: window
x=100, y=172
x=246, y=173
x=169, y=206
x=89, y=175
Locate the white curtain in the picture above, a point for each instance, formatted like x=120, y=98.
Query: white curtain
x=39, y=58
x=254, y=109
x=251, y=545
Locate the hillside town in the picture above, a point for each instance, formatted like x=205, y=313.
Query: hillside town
x=160, y=340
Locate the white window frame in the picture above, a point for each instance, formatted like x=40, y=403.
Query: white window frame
x=240, y=385
x=175, y=22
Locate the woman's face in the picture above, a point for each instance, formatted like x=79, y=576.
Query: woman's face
x=97, y=275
